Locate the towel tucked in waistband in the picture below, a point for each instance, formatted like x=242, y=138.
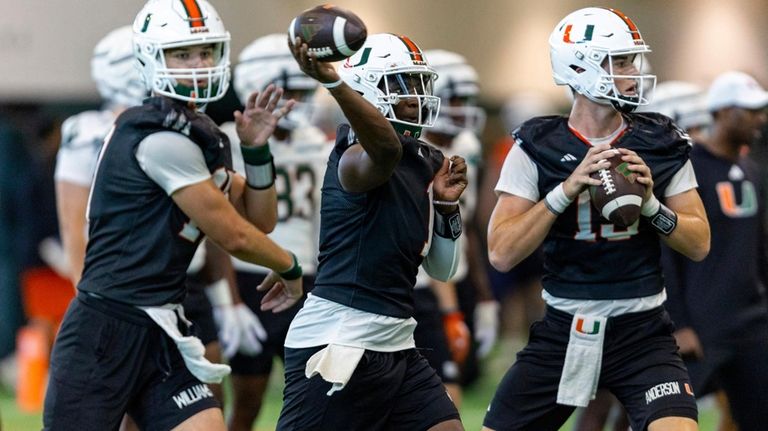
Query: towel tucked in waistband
x=335, y=364
x=583, y=361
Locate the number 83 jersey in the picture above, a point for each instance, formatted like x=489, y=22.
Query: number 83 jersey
x=300, y=164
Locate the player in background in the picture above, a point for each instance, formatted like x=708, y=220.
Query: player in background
x=518, y=290
x=163, y=177
x=684, y=103
x=605, y=325
x=441, y=332
x=719, y=304
x=389, y=204
x=120, y=87
x=301, y=153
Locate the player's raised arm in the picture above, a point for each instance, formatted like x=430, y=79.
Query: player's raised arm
x=369, y=164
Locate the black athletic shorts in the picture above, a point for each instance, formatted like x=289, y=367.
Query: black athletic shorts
x=640, y=366
x=198, y=310
x=430, y=335
x=110, y=359
x=276, y=325
x=388, y=391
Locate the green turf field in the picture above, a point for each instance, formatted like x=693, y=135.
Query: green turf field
x=476, y=400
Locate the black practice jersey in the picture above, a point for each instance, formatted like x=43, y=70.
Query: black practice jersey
x=723, y=296
x=372, y=243
x=586, y=256
x=140, y=243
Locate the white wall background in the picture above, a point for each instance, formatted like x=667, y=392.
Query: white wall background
x=46, y=44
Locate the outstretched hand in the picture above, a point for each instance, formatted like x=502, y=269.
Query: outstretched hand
x=281, y=294
x=258, y=120
x=451, y=180
x=309, y=64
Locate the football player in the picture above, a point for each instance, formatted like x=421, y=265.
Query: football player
x=163, y=178
x=684, y=103
x=719, y=304
x=605, y=325
x=301, y=152
x=389, y=203
x=120, y=86
x=442, y=332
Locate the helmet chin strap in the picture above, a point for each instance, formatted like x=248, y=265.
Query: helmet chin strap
x=622, y=107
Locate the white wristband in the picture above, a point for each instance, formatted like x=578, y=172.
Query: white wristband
x=556, y=200
x=446, y=203
x=330, y=85
x=218, y=293
x=650, y=207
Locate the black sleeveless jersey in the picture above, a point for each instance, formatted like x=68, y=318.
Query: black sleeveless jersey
x=586, y=256
x=140, y=243
x=726, y=287
x=372, y=243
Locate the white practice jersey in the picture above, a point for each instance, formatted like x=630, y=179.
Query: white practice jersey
x=300, y=167
x=467, y=145
x=82, y=136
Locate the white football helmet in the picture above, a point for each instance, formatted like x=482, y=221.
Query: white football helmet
x=388, y=69
x=114, y=69
x=458, y=88
x=582, y=48
x=683, y=102
x=268, y=60
x=165, y=24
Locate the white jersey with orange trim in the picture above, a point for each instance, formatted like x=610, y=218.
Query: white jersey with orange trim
x=467, y=145
x=300, y=167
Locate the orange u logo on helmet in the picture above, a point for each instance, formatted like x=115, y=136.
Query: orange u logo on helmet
x=587, y=34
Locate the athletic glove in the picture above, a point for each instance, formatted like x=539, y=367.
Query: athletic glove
x=457, y=334
x=225, y=315
x=486, y=326
x=252, y=332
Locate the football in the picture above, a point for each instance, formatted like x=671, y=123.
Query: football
x=620, y=196
x=331, y=32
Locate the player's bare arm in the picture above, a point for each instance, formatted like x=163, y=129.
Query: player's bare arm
x=370, y=162
x=71, y=201
x=518, y=226
x=691, y=237
x=209, y=209
x=254, y=126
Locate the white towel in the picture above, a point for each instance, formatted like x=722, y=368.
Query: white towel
x=191, y=348
x=335, y=364
x=583, y=360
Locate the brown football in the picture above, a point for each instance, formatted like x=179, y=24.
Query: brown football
x=620, y=196
x=329, y=31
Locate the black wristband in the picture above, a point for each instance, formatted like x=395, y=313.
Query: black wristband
x=294, y=271
x=664, y=221
x=448, y=225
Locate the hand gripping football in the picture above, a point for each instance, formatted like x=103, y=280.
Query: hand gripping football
x=620, y=196
x=331, y=32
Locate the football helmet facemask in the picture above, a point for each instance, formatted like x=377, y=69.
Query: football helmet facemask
x=458, y=88
x=268, y=60
x=167, y=24
x=114, y=69
x=389, y=69
x=583, y=50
